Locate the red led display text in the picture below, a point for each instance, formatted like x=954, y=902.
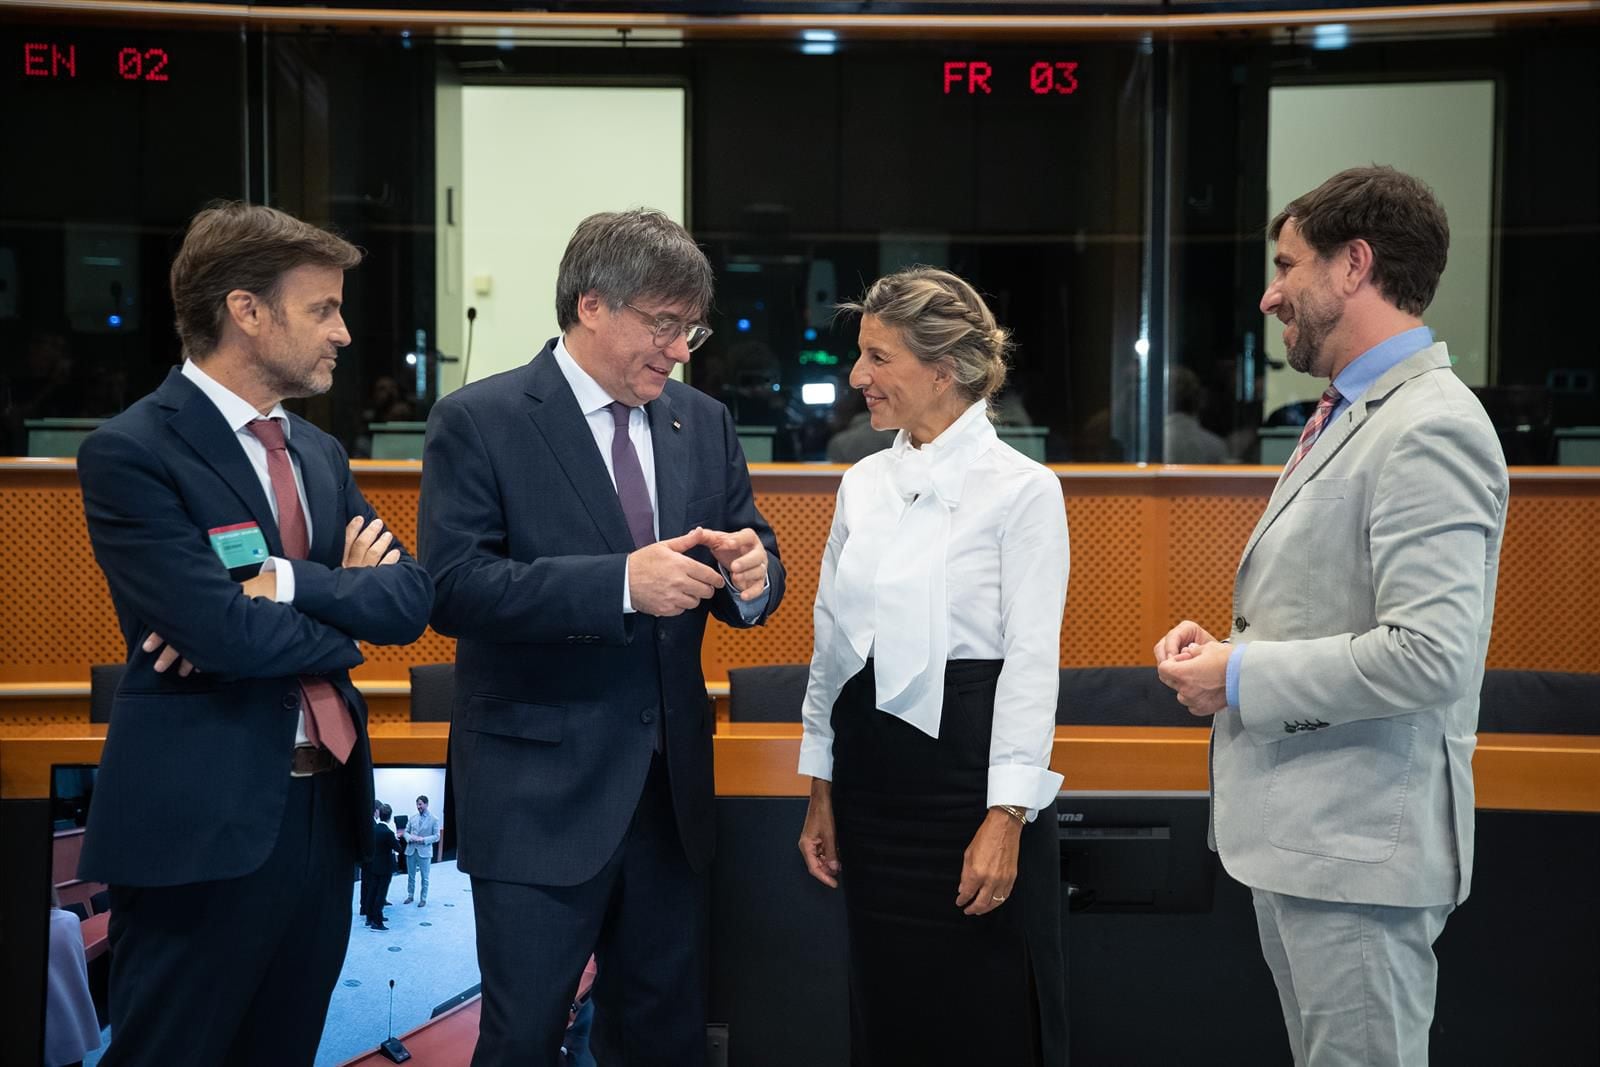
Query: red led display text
x=975, y=77
x=48, y=59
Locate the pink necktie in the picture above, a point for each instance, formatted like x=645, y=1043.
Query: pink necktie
x=1314, y=426
x=328, y=721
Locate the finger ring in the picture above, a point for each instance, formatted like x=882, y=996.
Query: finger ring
x=998, y=900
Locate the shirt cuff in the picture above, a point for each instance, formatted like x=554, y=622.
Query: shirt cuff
x=1023, y=786
x=749, y=610
x=627, y=595
x=816, y=757
x=285, y=572
x=1235, y=659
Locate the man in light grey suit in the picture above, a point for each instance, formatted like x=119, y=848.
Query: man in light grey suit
x=1345, y=702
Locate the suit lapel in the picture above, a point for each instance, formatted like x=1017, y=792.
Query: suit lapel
x=1340, y=431
x=554, y=411
x=670, y=446
x=197, y=420
x=327, y=526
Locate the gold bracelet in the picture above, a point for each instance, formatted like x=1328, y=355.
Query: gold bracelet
x=1019, y=814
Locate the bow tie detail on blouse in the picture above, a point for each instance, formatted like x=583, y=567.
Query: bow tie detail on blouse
x=891, y=577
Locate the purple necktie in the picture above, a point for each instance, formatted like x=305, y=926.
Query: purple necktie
x=631, y=490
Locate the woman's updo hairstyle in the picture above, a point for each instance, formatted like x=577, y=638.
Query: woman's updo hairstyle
x=943, y=321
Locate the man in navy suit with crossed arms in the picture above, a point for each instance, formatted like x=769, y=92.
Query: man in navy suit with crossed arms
x=235, y=790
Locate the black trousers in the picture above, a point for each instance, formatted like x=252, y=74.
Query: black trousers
x=644, y=917
x=374, y=891
x=238, y=971
x=930, y=985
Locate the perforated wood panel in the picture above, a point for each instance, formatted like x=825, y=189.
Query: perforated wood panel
x=801, y=521
x=1205, y=537
x=55, y=611
x=1146, y=552
x=1549, y=584
x=394, y=498
x=1107, y=589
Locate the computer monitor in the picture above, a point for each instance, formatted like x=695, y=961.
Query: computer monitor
x=63, y=819
x=1135, y=851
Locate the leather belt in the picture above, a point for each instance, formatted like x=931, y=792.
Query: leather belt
x=309, y=760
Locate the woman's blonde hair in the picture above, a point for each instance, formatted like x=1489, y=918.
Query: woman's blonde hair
x=943, y=321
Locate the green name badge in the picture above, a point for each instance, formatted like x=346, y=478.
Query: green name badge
x=239, y=545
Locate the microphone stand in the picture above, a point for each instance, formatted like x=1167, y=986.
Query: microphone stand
x=394, y=1048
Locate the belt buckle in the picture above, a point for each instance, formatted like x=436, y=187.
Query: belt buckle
x=306, y=761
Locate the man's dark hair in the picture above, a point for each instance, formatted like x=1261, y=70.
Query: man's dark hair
x=629, y=255
x=233, y=245
x=423, y=799
x=385, y=812
x=1394, y=213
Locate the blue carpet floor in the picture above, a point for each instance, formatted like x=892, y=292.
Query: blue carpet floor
x=429, y=952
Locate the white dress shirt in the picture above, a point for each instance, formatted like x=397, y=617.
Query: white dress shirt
x=967, y=521
x=239, y=413
x=595, y=403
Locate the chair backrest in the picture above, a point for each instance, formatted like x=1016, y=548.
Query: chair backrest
x=1539, y=702
x=1118, y=696
x=103, y=681
x=101, y=901
x=433, y=692
x=77, y=908
x=767, y=694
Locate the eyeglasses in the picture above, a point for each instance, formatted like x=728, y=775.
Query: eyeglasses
x=665, y=329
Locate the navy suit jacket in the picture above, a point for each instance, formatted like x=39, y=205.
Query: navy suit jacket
x=385, y=847
x=195, y=770
x=559, y=694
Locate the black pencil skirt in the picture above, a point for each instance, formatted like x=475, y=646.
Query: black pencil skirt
x=930, y=985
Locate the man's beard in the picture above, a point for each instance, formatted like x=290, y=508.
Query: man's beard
x=1312, y=326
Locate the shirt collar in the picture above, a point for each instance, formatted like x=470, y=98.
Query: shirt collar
x=590, y=395
x=1376, y=361
x=238, y=411
x=971, y=425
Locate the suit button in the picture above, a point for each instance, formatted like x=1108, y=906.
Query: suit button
x=1241, y=624
x=647, y=715
x=661, y=635
x=291, y=700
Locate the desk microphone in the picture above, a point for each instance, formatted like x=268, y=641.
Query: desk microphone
x=394, y=1048
x=466, y=363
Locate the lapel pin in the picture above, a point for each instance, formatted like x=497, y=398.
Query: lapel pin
x=676, y=425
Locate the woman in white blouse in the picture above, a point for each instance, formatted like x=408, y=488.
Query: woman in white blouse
x=930, y=710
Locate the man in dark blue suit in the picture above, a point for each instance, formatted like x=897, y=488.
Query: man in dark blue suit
x=581, y=516
x=235, y=791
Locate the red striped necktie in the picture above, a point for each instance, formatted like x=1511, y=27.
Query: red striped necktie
x=1314, y=426
x=327, y=719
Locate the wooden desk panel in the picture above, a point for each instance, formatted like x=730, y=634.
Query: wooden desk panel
x=1129, y=581
x=1521, y=772
x=96, y=934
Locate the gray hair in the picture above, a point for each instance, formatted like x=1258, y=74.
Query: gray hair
x=625, y=255
x=944, y=321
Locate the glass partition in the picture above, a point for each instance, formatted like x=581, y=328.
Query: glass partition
x=1108, y=194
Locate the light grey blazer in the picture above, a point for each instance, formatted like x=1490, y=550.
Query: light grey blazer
x=1365, y=597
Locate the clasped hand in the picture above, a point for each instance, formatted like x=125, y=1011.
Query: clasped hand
x=663, y=580
x=366, y=544
x=1194, y=665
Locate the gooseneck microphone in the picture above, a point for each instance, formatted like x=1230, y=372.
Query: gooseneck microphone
x=393, y=1047
x=466, y=362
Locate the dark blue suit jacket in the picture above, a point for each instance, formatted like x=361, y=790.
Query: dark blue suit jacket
x=558, y=692
x=195, y=770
